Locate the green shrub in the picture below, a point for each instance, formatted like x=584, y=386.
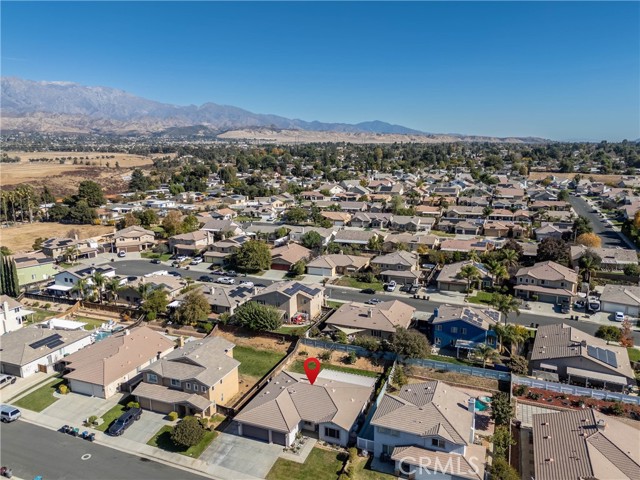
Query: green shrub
x=350, y=358
x=133, y=405
x=36, y=304
x=188, y=432
x=325, y=356
x=173, y=416
x=207, y=327
x=616, y=409
x=46, y=306
x=93, y=419
x=520, y=390
x=63, y=389
x=303, y=353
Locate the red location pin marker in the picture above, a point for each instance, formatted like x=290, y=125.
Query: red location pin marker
x=312, y=369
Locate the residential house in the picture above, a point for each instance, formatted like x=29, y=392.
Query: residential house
x=429, y=429
x=449, y=279
x=581, y=444
x=12, y=315
x=115, y=363
x=293, y=298
x=133, y=239
x=462, y=327
x=336, y=264
x=613, y=259
x=412, y=223
x=559, y=205
x=459, y=213
x=34, y=267
x=429, y=211
x=289, y=404
x=353, y=207
x=223, y=249
x=401, y=267
x=571, y=355
x=412, y=241
x=339, y=219
x=354, y=237
x=371, y=220
x=192, y=243
x=286, y=256
x=549, y=230
x=221, y=298
x=191, y=379
x=30, y=350
x=467, y=228
x=621, y=298
x=378, y=321
x=296, y=233
x=547, y=282
x=66, y=280
x=130, y=291
x=474, y=201
x=222, y=227
x=58, y=248
x=455, y=245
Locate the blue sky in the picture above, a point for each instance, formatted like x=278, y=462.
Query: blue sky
x=565, y=71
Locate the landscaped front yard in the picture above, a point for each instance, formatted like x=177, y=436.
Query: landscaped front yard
x=163, y=257
x=634, y=354
x=112, y=415
x=482, y=297
x=256, y=363
x=320, y=465
x=355, y=283
x=41, y=398
x=162, y=440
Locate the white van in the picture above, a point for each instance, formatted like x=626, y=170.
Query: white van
x=9, y=414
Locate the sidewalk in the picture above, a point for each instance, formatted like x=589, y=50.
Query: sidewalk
x=24, y=386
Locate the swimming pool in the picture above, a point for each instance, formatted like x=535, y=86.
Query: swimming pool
x=101, y=335
x=483, y=403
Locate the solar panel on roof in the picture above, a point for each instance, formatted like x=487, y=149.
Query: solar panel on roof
x=55, y=343
x=602, y=354
x=45, y=341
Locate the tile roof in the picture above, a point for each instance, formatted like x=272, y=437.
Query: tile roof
x=385, y=316
x=16, y=349
x=549, y=270
x=480, y=317
x=290, y=253
x=397, y=258
x=622, y=294
x=440, y=462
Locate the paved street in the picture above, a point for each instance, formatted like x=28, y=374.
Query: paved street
x=610, y=238
x=30, y=450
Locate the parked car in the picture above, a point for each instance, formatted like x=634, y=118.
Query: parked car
x=217, y=271
x=122, y=253
x=246, y=284
x=231, y=273
x=565, y=308
x=373, y=301
x=368, y=291
x=226, y=280
x=618, y=317
x=156, y=261
x=197, y=261
x=391, y=286
x=181, y=258
x=9, y=414
x=126, y=419
x=260, y=285
x=579, y=304
x=6, y=380
x=205, y=278
x=175, y=274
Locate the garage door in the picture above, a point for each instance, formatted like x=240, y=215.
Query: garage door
x=279, y=438
x=255, y=432
x=85, y=388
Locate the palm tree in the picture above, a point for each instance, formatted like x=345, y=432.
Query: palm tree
x=501, y=332
x=588, y=265
x=71, y=253
x=515, y=335
x=113, y=287
x=144, y=290
x=486, y=353
x=473, y=256
x=505, y=304
x=493, y=266
x=470, y=273
x=98, y=279
x=510, y=258
x=81, y=287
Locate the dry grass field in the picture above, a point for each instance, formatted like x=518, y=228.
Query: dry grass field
x=63, y=179
x=596, y=177
x=21, y=237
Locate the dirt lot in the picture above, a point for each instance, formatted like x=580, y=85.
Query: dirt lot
x=63, y=179
x=452, y=377
x=260, y=343
x=361, y=363
x=596, y=177
x=20, y=237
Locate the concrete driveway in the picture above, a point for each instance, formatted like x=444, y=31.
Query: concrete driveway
x=142, y=430
x=74, y=408
x=245, y=455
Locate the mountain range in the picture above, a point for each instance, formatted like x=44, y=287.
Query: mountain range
x=66, y=107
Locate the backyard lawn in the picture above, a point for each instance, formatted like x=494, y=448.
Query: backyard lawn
x=320, y=465
x=112, y=415
x=634, y=354
x=41, y=398
x=91, y=323
x=363, y=471
x=162, y=440
x=443, y=358
x=298, y=367
x=297, y=331
x=254, y=362
x=333, y=304
x=354, y=283
x=40, y=314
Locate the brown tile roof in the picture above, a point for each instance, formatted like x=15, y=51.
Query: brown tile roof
x=110, y=359
x=584, y=444
x=160, y=393
x=549, y=270
x=385, y=316
x=440, y=462
x=16, y=349
x=290, y=253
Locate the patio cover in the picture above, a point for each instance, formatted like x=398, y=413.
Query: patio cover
x=349, y=331
x=62, y=288
x=603, y=377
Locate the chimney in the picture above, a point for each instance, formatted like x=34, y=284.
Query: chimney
x=602, y=425
x=212, y=290
x=370, y=313
x=159, y=354
x=127, y=332
x=180, y=341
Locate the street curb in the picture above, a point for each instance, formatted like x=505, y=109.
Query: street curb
x=138, y=454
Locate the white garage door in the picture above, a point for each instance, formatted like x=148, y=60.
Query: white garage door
x=615, y=307
x=85, y=388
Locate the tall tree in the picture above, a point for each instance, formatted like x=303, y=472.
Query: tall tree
x=193, y=308
x=486, y=354
x=589, y=264
x=470, y=273
x=505, y=304
x=92, y=193
x=253, y=256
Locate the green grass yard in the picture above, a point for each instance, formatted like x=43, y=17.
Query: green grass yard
x=163, y=257
x=41, y=398
x=162, y=440
x=91, y=323
x=482, y=297
x=634, y=354
x=363, y=471
x=293, y=330
x=298, y=367
x=320, y=465
x=254, y=362
x=354, y=283
x=40, y=315
x=112, y=415
x=332, y=304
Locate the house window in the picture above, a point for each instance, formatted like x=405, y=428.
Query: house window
x=332, y=433
x=203, y=388
x=188, y=386
x=562, y=284
x=439, y=328
x=152, y=378
x=175, y=383
x=376, y=333
x=388, y=449
x=454, y=329
x=541, y=282
x=464, y=331
x=436, y=442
